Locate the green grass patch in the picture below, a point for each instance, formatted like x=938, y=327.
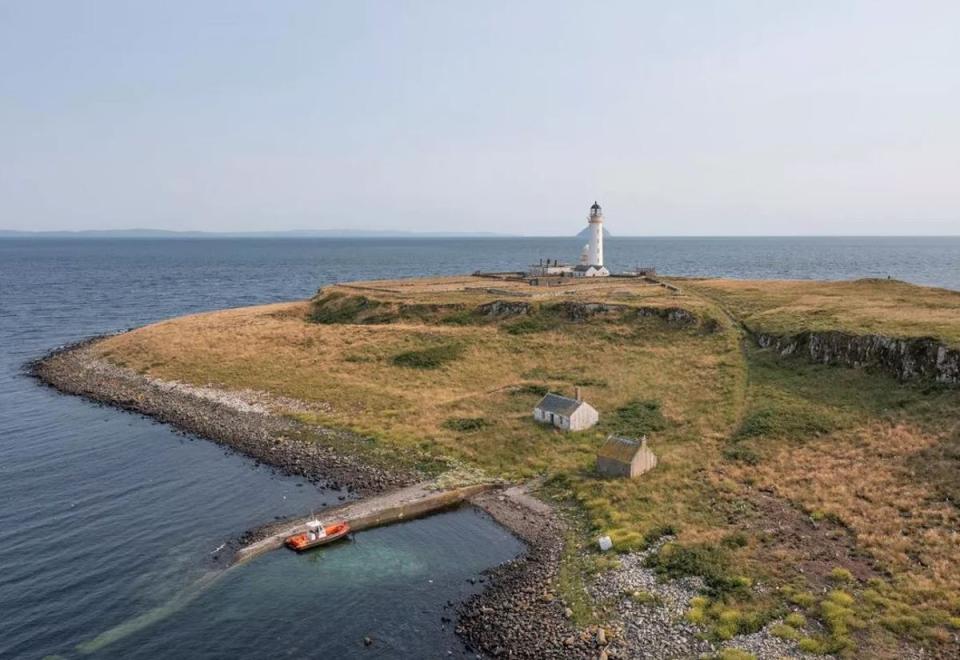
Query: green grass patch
x=738, y=452
x=795, y=619
x=429, y=358
x=841, y=575
x=784, y=631
x=711, y=562
x=338, y=308
x=637, y=418
x=530, y=324
x=641, y=597
x=656, y=533
x=466, y=424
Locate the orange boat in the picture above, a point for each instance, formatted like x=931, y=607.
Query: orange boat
x=317, y=534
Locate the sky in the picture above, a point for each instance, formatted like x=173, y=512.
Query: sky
x=681, y=118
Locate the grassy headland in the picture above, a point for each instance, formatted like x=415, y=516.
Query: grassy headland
x=826, y=492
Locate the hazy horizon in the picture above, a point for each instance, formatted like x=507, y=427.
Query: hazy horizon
x=714, y=119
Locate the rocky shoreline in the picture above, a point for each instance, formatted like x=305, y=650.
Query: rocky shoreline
x=515, y=616
x=519, y=614
x=243, y=422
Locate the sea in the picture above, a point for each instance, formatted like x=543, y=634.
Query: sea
x=112, y=525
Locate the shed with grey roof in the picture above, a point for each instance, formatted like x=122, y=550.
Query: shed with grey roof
x=566, y=413
x=625, y=457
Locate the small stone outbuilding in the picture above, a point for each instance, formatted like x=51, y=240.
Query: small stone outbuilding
x=565, y=413
x=625, y=457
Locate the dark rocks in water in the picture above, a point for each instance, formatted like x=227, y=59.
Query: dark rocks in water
x=921, y=358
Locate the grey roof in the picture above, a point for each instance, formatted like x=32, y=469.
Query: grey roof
x=620, y=449
x=559, y=405
x=582, y=268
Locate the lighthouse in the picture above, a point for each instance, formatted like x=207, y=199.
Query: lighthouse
x=595, y=247
x=591, y=259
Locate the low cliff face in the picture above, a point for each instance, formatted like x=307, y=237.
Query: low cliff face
x=580, y=311
x=921, y=358
x=336, y=307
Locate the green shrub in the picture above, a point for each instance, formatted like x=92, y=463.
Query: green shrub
x=707, y=561
x=466, y=424
x=338, y=308
x=638, y=418
x=644, y=597
x=840, y=598
x=530, y=324
x=461, y=317
x=903, y=624
x=784, y=631
x=734, y=654
x=803, y=599
x=740, y=453
x=429, y=358
x=654, y=534
x=840, y=575
x=696, y=615
x=735, y=540
x=796, y=620
x=758, y=423
x=811, y=645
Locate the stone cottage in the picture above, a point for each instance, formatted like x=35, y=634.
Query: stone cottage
x=625, y=457
x=565, y=413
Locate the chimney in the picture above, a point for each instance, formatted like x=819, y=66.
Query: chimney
x=577, y=394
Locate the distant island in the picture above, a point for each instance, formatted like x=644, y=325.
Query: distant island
x=585, y=233
x=292, y=233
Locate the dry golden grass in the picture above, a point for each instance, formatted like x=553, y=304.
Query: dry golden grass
x=697, y=378
x=868, y=478
x=887, y=307
x=845, y=444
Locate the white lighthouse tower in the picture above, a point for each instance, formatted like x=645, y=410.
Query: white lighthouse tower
x=595, y=252
x=591, y=259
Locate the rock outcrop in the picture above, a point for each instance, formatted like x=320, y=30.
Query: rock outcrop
x=504, y=308
x=920, y=358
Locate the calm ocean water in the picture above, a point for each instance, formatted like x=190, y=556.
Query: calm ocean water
x=108, y=521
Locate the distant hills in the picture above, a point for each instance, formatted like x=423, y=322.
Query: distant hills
x=585, y=232
x=294, y=233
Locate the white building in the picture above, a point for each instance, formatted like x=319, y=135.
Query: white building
x=591, y=259
x=565, y=413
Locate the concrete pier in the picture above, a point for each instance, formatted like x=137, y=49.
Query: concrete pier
x=395, y=506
